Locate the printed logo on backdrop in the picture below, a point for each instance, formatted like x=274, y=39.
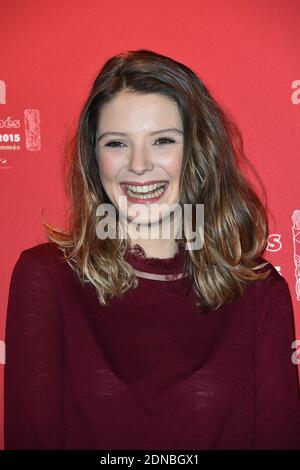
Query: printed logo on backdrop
x=12, y=130
x=2, y=92
x=2, y=352
x=296, y=246
x=296, y=94
x=275, y=245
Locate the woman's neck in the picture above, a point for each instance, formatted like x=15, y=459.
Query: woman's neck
x=157, y=248
x=164, y=244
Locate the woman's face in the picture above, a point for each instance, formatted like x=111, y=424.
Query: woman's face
x=140, y=150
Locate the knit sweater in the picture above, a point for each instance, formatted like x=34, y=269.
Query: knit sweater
x=151, y=370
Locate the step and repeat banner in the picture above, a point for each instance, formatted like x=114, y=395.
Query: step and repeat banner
x=247, y=53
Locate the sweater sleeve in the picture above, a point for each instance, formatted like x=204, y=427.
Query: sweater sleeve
x=33, y=407
x=277, y=388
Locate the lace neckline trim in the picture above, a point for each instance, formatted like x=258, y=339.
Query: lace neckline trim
x=139, y=251
x=149, y=267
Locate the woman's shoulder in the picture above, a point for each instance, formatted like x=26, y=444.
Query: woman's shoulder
x=263, y=265
x=42, y=250
x=265, y=289
x=272, y=296
x=45, y=257
x=260, y=293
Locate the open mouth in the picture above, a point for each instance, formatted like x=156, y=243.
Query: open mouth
x=146, y=192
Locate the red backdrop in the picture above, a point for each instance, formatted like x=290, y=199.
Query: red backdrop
x=246, y=52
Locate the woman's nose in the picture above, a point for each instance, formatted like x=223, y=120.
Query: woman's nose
x=140, y=161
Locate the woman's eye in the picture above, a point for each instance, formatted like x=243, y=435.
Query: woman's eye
x=164, y=140
x=110, y=144
x=160, y=142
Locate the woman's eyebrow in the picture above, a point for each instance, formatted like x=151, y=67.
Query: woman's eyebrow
x=170, y=129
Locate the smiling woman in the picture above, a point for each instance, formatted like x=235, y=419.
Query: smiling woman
x=142, y=166
x=117, y=343
x=139, y=98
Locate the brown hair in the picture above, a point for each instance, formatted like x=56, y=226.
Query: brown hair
x=235, y=227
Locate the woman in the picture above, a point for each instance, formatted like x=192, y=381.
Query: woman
x=149, y=343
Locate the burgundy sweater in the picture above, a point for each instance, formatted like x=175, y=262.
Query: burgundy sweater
x=151, y=371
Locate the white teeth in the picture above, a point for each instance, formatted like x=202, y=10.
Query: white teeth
x=145, y=189
x=151, y=194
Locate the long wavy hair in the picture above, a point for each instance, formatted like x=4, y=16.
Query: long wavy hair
x=235, y=228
